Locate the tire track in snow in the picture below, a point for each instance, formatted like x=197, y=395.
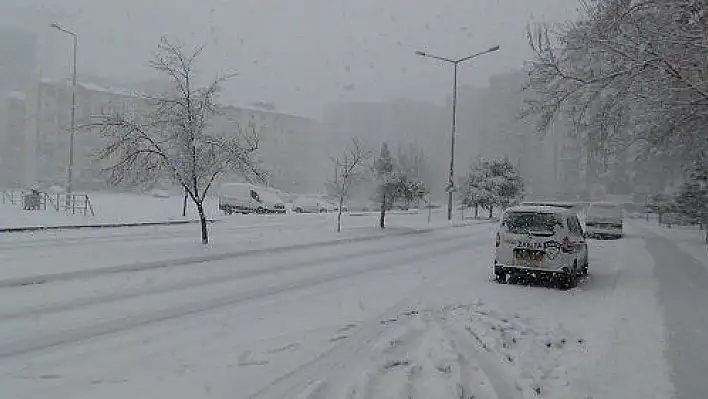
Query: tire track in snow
x=310, y=380
x=189, y=261
x=48, y=341
x=413, y=359
x=209, y=280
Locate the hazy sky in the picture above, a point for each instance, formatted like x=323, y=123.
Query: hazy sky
x=299, y=54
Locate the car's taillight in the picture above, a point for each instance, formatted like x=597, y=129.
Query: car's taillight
x=498, y=240
x=565, y=246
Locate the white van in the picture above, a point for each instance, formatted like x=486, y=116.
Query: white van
x=541, y=241
x=240, y=198
x=604, y=220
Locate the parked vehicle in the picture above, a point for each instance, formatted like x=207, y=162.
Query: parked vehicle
x=248, y=198
x=240, y=198
x=308, y=205
x=157, y=193
x=604, y=220
x=541, y=241
x=271, y=201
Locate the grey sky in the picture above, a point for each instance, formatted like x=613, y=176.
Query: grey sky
x=300, y=54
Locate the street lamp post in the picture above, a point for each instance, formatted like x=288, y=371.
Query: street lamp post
x=455, y=63
x=70, y=169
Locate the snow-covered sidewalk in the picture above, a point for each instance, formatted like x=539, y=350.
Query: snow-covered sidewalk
x=690, y=239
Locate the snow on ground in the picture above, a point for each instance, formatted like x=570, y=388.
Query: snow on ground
x=403, y=316
x=690, y=239
x=24, y=255
x=108, y=208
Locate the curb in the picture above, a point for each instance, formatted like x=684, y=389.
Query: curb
x=98, y=226
x=78, y=274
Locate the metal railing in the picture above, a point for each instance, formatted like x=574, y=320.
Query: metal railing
x=76, y=203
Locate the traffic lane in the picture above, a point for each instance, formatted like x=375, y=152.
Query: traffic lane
x=50, y=297
x=105, y=314
x=683, y=294
x=224, y=347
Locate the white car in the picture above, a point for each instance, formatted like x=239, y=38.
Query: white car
x=604, y=220
x=541, y=241
x=271, y=201
x=248, y=198
x=309, y=205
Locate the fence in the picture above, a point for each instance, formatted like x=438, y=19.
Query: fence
x=74, y=202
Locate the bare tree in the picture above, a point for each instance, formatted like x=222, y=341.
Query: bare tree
x=172, y=138
x=349, y=170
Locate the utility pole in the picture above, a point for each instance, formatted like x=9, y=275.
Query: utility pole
x=455, y=62
x=72, y=129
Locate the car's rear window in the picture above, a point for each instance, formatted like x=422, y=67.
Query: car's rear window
x=604, y=210
x=528, y=222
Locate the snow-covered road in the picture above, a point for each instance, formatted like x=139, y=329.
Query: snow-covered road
x=400, y=316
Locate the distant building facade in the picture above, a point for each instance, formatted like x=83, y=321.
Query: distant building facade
x=36, y=150
x=289, y=146
x=397, y=122
x=18, y=63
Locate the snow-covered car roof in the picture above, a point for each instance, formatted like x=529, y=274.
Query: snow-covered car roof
x=538, y=209
x=556, y=204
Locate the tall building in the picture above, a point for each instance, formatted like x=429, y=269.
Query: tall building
x=290, y=147
x=13, y=141
x=549, y=163
x=37, y=150
x=47, y=130
x=18, y=63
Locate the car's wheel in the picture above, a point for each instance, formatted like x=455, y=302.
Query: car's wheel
x=260, y=210
x=500, y=274
x=298, y=210
x=586, y=266
x=570, y=278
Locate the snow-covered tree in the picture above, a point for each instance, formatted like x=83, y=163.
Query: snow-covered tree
x=473, y=191
x=412, y=162
x=660, y=204
x=628, y=74
x=385, y=181
x=349, y=170
x=394, y=183
x=505, y=182
x=171, y=138
x=692, y=198
x=491, y=183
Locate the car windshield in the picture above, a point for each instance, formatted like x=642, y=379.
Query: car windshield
x=528, y=222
